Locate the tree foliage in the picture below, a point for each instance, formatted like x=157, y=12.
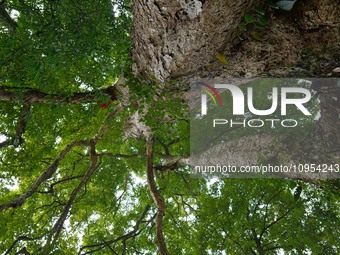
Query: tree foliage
x=78, y=178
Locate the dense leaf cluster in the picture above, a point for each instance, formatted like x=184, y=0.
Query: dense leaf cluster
x=73, y=182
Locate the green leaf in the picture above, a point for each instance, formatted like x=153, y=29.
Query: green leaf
x=242, y=26
x=263, y=20
x=256, y=36
x=248, y=18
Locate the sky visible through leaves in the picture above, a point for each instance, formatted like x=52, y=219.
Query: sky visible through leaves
x=91, y=157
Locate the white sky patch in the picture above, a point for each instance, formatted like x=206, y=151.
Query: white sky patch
x=2, y=138
x=131, y=227
x=188, y=218
x=17, y=149
x=138, y=180
x=11, y=184
x=85, y=86
x=119, y=193
x=94, y=217
x=14, y=14
x=215, y=181
x=210, y=252
x=116, y=10
x=57, y=140
x=67, y=225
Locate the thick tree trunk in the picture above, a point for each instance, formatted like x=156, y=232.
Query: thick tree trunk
x=175, y=38
x=180, y=39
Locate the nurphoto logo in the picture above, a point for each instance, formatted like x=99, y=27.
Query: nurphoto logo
x=238, y=99
x=280, y=97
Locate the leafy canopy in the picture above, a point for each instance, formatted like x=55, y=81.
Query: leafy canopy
x=73, y=181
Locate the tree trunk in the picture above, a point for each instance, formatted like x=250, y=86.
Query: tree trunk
x=192, y=40
x=180, y=39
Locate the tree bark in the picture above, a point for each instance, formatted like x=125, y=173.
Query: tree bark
x=180, y=39
x=158, y=200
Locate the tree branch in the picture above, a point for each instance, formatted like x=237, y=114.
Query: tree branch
x=21, y=238
x=4, y=15
x=51, y=188
x=43, y=177
x=278, y=219
x=34, y=96
x=172, y=166
x=20, y=129
x=94, y=159
x=23, y=251
x=273, y=248
x=130, y=234
x=234, y=241
x=160, y=204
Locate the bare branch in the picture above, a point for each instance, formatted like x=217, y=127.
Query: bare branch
x=22, y=121
x=233, y=240
x=165, y=147
x=118, y=155
x=273, y=248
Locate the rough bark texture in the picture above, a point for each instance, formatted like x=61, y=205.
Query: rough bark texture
x=180, y=39
x=174, y=38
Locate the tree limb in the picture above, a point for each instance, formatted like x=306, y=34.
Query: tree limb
x=4, y=15
x=23, y=251
x=21, y=238
x=34, y=96
x=160, y=204
x=94, y=159
x=278, y=219
x=172, y=166
x=51, y=188
x=273, y=248
x=233, y=240
x=128, y=235
x=43, y=177
x=20, y=129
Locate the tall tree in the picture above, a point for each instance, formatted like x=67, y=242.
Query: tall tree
x=93, y=157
